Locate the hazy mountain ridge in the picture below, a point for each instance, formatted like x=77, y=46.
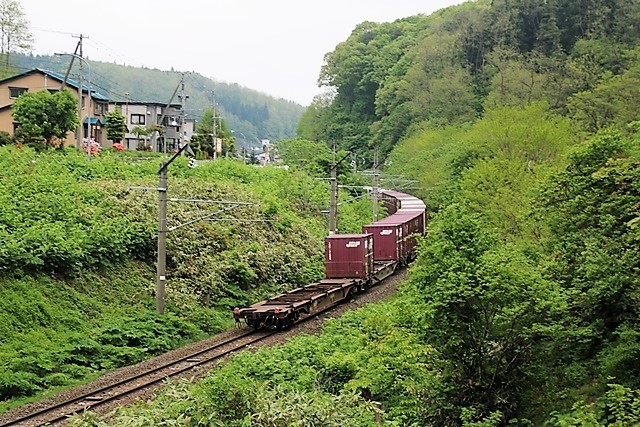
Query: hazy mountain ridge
x=247, y=111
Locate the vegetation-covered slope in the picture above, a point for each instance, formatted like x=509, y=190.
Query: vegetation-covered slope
x=78, y=257
x=521, y=309
x=387, y=79
x=518, y=121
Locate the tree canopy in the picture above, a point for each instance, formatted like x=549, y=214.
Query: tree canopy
x=15, y=34
x=45, y=117
x=116, y=126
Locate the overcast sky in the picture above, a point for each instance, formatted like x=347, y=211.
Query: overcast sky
x=276, y=47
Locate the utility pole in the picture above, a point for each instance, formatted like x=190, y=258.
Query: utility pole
x=126, y=109
x=164, y=114
x=213, y=120
x=80, y=136
x=183, y=100
x=333, y=199
x=66, y=76
x=162, y=231
x=333, y=202
x=162, y=238
x=376, y=184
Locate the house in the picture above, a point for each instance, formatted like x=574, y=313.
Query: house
x=143, y=115
x=38, y=79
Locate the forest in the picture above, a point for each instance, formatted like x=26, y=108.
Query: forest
x=516, y=121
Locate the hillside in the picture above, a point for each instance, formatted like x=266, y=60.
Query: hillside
x=392, y=79
x=78, y=253
x=518, y=122
x=248, y=112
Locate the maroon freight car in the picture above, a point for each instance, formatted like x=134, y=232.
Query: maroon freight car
x=387, y=239
x=394, y=236
x=353, y=263
x=348, y=255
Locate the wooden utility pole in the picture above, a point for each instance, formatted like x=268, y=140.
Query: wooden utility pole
x=80, y=135
x=164, y=114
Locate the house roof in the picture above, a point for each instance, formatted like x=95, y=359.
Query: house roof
x=146, y=103
x=95, y=121
x=59, y=77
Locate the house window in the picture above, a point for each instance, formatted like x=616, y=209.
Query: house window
x=15, y=92
x=137, y=119
x=99, y=109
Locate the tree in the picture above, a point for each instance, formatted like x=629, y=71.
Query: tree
x=46, y=116
x=116, y=126
x=14, y=29
x=140, y=132
x=488, y=310
x=615, y=101
x=205, y=130
x=592, y=208
x=313, y=157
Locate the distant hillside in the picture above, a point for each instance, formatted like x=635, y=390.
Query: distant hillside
x=248, y=112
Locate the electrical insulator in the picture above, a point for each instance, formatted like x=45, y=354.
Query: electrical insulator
x=192, y=162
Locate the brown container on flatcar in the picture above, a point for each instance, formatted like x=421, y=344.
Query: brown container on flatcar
x=348, y=255
x=392, y=236
x=387, y=239
x=413, y=224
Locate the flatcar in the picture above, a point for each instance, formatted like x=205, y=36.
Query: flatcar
x=353, y=263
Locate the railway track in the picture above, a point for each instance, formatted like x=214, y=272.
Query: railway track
x=109, y=393
x=136, y=383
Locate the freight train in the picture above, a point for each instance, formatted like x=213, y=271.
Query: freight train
x=353, y=263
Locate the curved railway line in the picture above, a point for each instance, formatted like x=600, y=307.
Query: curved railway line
x=353, y=262
x=139, y=381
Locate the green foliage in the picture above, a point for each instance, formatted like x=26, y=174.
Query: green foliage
x=328, y=380
x=592, y=209
x=314, y=158
x=56, y=333
x=486, y=310
x=520, y=146
x=45, y=117
x=95, y=226
x=116, y=126
x=82, y=225
x=358, y=67
x=620, y=407
x=613, y=102
x=516, y=81
x=445, y=68
x=524, y=297
x=6, y=138
x=204, y=143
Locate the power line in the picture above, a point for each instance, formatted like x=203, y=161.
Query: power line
x=52, y=31
x=116, y=56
